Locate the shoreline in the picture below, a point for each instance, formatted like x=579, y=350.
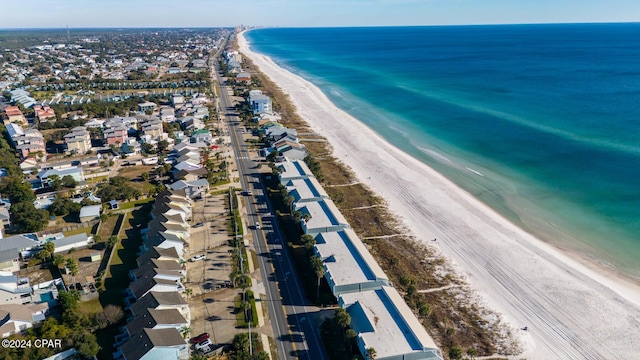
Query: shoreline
x=565, y=303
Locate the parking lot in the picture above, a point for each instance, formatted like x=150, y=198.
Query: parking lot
x=211, y=302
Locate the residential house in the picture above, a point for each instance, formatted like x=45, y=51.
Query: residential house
x=147, y=106
x=201, y=136
x=131, y=146
x=14, y=289
x=115, y=135
x=243, y=77
x=75, y=172
x=14, y=115
x=159, y=301
x=156, y=319
x=90, y=212
x=148, y=283
x=65, y=243
x=152, y=128
x=78, y=141
x=259, y=102
x=17, y=247
x=17, y=318
x=177, y=99
x=156, y=253
x=191, y=175
x=193, y=188
x=167, y=114
x=151, y=344
x=164, y=241
x=44, y=113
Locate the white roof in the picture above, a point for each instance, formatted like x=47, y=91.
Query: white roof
x=324, y=216
x=384, y=321
x=293, y=170
x=306, y=189
x=349, y=265
x=90, y=211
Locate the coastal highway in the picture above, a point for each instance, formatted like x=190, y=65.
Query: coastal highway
x=295, y=335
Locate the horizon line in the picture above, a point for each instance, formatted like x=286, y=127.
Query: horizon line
x=316, y=27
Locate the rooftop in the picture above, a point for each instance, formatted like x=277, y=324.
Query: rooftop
x=349, y=265
x=290, y=170
x=324, y=216
x=155, y=299
x=384, y=321
x=306, y=189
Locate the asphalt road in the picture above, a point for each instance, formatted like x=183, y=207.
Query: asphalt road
x=296, y=337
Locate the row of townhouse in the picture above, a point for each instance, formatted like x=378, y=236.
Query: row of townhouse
x=158, y=316
x=28, y=142
x=379, y=314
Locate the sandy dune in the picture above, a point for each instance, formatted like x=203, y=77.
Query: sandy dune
x=572, y=312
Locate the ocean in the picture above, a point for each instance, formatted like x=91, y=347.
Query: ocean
x=540, y=122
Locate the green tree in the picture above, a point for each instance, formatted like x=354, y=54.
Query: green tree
x=72, y=266
x=58, y=260
x=16, y=190
x=240, y=345
x=85, y=342
x=308, y=241
x=318, y=268
x=55, y=182
x=28, y=218
x=342, y=318
x=144, y=176
x=371, y=353
x=163, y=145
x=47, y=250
x=69, y=182
x=113, y=240
x=455, y=353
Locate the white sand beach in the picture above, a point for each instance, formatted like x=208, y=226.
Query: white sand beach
x=572, y=311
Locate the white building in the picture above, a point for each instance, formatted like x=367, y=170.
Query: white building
x=321, y=216
x=384, y=322
x=349, y=267
x=17, y=318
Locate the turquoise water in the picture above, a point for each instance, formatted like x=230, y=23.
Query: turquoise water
x=540, y=122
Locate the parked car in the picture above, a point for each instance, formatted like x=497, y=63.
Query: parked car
x=200, y=338
x=203, y=344
x=257, y=225
x=197, y=257
x=200, y=224
x=248, y=193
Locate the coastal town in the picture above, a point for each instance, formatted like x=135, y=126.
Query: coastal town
x=148, y=185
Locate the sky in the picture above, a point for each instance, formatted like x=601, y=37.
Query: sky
x=307, y=13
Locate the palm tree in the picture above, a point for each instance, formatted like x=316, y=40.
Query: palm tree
x=318, y=268
x=342, y=318
x=58, y=260
x=185, y=330
x=308, y=241
x=188, y=292
x=72, y=266
x=371, y=353
x=47, y=250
